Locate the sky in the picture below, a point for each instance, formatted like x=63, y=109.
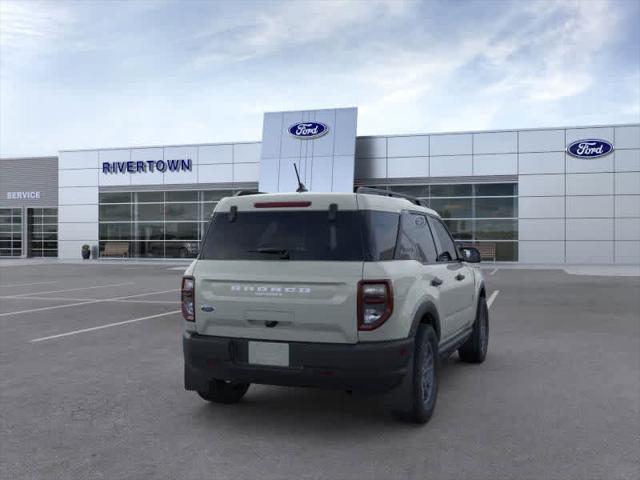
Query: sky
x=85, y=74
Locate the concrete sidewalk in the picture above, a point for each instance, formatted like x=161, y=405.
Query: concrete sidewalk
x=593, y=270
x=19, y=262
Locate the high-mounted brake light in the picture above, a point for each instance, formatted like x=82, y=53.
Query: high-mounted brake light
x=375, y=303
x=187, y=300
x=281, y=204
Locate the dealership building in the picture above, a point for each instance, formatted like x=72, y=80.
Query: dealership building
x=544, y=195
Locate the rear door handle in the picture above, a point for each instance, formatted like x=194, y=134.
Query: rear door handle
x=459, y=277
x=436, y=282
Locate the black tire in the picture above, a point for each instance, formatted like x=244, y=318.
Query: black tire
x=474, y=350
x=224, y=392
x=424, y=389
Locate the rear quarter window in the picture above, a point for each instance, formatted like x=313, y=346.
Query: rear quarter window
x=415, y=241
x=380, y=231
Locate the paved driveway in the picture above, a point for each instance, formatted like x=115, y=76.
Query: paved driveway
x=91, y=387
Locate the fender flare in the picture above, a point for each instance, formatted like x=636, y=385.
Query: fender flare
x=427, y=307
x=481, y=290
x=482, y=293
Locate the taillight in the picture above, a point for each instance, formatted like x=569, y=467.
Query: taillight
x=375, y=303
x=188, y=293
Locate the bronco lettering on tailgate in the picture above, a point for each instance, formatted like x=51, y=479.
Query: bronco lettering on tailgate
x=272, y=291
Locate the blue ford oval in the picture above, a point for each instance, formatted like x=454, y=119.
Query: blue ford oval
x=589, y=148
x=308, y=130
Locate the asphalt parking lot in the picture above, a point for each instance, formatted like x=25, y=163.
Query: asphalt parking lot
x=91, y=387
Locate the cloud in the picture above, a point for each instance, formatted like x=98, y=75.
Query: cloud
x=532, y=53
x=117, y=73
x=28, y=27
x=287, y=25
x=557, y=49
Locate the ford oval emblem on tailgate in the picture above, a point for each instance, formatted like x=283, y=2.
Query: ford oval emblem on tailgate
x=207, y=308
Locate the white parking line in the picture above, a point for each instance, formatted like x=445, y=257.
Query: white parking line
x=493, y=272
x=24, y=284
x=75, y=289
x=158, y=302
x=84, y=330
x=41, y=309
x=492, y=297
x=148, y=267
x=67, y=299
x=23, y=297
x=87, y=302
x=62, y=299
x=144, y=294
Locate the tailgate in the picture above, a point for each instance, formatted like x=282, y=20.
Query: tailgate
x=301, y=301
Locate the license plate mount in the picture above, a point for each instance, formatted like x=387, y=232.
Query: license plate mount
x=273, y=354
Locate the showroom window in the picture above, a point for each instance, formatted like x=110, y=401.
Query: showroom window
x=155, y=224
x=10, y=232
x=477, y=214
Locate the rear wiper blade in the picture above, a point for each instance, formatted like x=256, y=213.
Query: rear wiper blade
x=284, y=254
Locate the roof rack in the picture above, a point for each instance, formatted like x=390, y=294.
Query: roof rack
x=389, y=193
x=243, y=193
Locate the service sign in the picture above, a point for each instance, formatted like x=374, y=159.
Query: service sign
x=308, y=130
x=23, y=195
x=589, y=148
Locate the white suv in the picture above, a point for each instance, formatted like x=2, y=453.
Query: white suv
x=355, y=291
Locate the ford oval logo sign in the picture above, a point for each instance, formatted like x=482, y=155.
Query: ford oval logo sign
x=590, y=148
x=308, y=130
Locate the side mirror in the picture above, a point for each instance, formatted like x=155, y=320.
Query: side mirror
x=470, y=254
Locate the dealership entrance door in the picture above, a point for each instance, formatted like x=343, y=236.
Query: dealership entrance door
x=42, y=232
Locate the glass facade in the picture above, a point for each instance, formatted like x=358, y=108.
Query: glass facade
x=484, y=215
x=156, y=224
x=170, y=224
x=10, y=232
x=42, y=228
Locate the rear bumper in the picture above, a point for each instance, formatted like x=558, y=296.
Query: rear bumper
x=370, y=367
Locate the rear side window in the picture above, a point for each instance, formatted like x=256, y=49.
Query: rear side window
x=446, y=247
x=293, y=235
x=379, y=230
x=414, y=239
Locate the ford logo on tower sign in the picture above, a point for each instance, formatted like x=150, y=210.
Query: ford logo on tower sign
x=308, y=130
x=590, y=148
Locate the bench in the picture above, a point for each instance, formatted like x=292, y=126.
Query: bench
x=116, y=250
x=487, y=250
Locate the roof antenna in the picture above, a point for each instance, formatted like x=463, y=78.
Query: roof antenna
x=301, y=188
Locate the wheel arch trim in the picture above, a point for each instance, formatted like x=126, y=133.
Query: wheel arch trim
x=482, y=291
x=428, y=308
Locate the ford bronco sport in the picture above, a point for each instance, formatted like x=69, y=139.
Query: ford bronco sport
x=357, y=291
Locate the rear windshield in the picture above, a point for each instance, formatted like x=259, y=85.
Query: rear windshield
x=301, y=235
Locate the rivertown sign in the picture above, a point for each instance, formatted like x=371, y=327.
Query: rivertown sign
x=144, y=166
